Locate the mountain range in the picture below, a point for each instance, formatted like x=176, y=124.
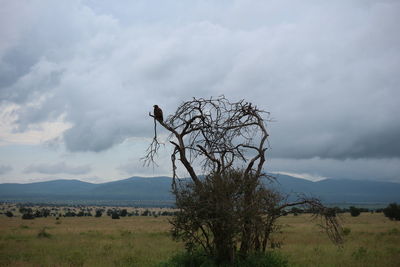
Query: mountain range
x=155, y=191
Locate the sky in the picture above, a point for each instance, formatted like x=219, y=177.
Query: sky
x=79, y=77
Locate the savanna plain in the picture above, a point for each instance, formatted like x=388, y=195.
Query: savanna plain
x=370, y=240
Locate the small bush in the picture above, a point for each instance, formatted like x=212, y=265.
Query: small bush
x=28, y=216
x=267, y=259
x=123, y=213
x=354, y=211
x=188, y=259
x=43, y=234
x=146, y=213
x=115, y=215
x=346, y=231
x=98, y=213
x=9, y=214
x=198, y=259
x=360, y=253
x=70, y=214
x=392, y=212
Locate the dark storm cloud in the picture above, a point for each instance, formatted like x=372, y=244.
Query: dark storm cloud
x=378, y=144
x=5, y=169
x=58, y=168
x=328, y=72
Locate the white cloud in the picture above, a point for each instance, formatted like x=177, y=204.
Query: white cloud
x=305, y=176
x=326, y=70
x=33, y=134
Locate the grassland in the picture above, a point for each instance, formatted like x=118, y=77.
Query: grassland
x=372, y=240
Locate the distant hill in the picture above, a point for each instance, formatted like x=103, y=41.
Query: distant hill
x=341, y=190
x=155, y=191
x=56, y=187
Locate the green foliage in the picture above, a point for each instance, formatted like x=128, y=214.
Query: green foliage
x=184, y=259
x=9, y=214
x=392, y=232
x=392, y=212
x=270, y=258
x=80, y=213
x=146, y=213
x=99, y=212
x=360, y=253
x=123, y=213
x=228, y=209
x=115, y=215
x=354, y=211
x=199, y=258
x=28, y=216
x=70, y=214
x=24, y=210
x=346, y=231
x=75, y=258
x=43, y=234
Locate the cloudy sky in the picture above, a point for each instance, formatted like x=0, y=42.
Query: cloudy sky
x=78, y=78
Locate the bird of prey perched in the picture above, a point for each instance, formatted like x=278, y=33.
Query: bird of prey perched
x=158, y=114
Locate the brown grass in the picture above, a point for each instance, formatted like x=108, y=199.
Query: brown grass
x=85, y=241
x=373, y=240
x=144, y=241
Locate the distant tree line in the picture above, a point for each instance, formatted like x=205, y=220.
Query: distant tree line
x=117, y=213
x=31, y=212
x=354, y=211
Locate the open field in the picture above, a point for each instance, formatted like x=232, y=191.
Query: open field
x=373, y=240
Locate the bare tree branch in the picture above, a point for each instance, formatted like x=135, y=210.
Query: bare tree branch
x=217, y=132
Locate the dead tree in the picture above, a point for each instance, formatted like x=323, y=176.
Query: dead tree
x=227, y=142
x=216, y=132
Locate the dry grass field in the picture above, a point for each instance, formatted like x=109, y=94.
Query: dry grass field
x=371, y=240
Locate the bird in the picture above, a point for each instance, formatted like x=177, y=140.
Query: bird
x=158, y=114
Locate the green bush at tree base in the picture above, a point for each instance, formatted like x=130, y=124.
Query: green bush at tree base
x=199, y=259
